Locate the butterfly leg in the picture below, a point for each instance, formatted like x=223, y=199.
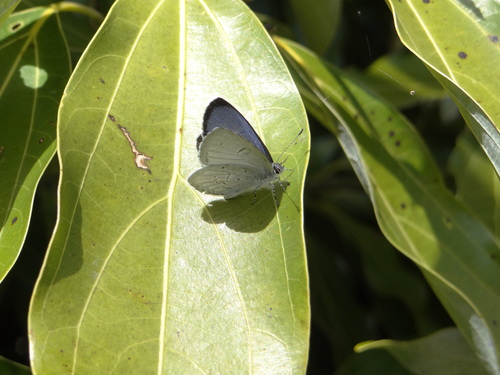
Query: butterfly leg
x=284, y=186
x=274, y=194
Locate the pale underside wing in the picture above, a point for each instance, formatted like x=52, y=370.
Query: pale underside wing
x=232, y=166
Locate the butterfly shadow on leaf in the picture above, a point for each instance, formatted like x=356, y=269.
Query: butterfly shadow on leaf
x=242, y=214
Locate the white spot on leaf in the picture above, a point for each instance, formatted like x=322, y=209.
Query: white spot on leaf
x=33, y=76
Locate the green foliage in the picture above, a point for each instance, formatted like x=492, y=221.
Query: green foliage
x=144, y=274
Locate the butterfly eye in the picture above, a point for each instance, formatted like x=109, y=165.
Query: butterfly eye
x=278, y=168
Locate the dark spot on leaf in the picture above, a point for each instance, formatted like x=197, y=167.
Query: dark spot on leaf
x=403, y=205
x=372, y=112
x=397, y=143
x=493, y=38
x=389, y=118
x=13, y=220
x=15, y=26
x=41, y=140
x=111, y=117
x=164, y=66
x=426, y=1
x=494, y=322
x=98, y=98
x=102, y=80
x=270, y=28
x=462, y=55
x=356, y=116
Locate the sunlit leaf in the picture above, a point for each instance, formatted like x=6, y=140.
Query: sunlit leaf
x=458, y=40
x=144, y=273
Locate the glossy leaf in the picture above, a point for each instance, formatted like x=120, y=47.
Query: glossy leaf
x=456, y=252
x=458, y=41
x=35, y=67
x=144, y=273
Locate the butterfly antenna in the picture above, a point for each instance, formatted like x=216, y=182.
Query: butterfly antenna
x=293, y=140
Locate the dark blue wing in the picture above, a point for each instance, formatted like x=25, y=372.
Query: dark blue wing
x=221, y=114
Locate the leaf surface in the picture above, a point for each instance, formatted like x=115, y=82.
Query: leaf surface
x=144, y=273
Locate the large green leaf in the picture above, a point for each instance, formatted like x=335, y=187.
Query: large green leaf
x=456, y=251
x=145, y=274
x=35, y=67
x=458, y=40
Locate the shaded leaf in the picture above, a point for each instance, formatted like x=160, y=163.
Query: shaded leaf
x=443, y=352
x=318, y=21
x=478, y=186
x=35, y=67
x=8, y=367
x=402, y=79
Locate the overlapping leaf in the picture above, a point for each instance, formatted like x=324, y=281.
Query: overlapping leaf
x=456, y=251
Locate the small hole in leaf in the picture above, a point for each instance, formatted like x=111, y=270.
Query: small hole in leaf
x=16, y=26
